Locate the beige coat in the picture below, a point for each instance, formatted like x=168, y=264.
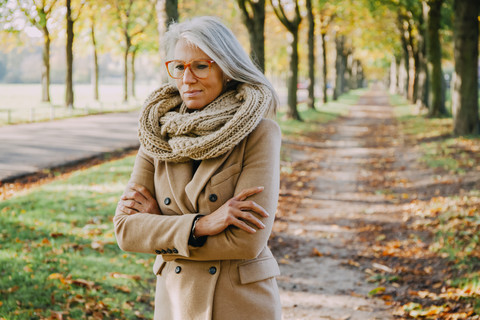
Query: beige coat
x=232, y=275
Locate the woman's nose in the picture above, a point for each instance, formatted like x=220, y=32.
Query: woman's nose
x=188, y=76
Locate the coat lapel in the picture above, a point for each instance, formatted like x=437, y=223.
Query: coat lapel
x=204, y=172
x=178, y=176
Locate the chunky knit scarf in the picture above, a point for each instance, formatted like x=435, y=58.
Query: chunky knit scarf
x=173, y=134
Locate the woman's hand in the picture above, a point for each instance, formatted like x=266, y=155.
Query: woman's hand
x=136, y=198
x=236, y=212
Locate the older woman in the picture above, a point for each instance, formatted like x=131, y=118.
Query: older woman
x=204, y=187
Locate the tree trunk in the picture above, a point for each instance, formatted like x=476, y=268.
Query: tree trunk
x=434, y=57
x=324, y=67
x=465, y=84
x=311, y=56
x=167, y=12
x=292, y=112
x=393, y=75
x=339, y=67
x=132, y=71
x=125, y=67
x=171, y=9
x=95, y=74
x=406, y=60
x=46, y=65
x=69, y=53
x=422, y=86
x=254, y=20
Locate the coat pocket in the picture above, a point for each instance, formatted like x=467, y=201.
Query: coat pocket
x=225, y=174
x=258, y=269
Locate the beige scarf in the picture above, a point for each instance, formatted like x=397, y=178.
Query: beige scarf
x=177, y=135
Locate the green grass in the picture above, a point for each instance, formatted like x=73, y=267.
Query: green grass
x=58, y=251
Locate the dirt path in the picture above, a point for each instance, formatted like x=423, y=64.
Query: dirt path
x=323, y=275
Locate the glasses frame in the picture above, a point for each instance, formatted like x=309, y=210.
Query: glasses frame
x=187, y=65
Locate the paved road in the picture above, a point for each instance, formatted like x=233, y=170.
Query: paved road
x=29, y=148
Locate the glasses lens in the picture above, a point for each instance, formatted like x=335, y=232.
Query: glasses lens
x=176, y=68
x=200, y=68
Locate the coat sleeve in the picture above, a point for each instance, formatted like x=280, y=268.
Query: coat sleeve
x=261, y=167
x=151, y=233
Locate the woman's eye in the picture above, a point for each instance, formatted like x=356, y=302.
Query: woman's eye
x=179, y=67
x=201, y=66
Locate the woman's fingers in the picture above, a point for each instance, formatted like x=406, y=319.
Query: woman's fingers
x=248, y=217
x=242, y=225
x=253, y=206
x=245, y=193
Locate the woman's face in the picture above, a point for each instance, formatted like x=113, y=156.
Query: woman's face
x=197, y=93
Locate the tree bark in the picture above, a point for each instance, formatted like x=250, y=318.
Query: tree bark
x=434, y=57
x=311, y=55
x=406, y=57
x=292, y=26
x=69, y=57
x=393, y=75
x=339, y=66
x=125, y=66
x=167, y=13
x=324, y=67
x=46, y=65
x=465, y=80
x=132, y=71
x=253, y=16
x=422, y=86
x=292, y=111
x=95, y=73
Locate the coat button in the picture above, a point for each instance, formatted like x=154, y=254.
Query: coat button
x=158, y=251
x=213, y=197
x=169, y=251
x=178, y=269
x=175, y=250
x=167, y=201
x=212, y=270
x=163, y=251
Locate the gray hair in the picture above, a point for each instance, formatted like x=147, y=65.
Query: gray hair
x=211, y=36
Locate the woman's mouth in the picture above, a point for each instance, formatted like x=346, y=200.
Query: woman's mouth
x=191, y=93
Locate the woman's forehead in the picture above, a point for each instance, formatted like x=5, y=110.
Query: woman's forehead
x=185, y=50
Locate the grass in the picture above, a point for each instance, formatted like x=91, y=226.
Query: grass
x=455, y=220
x=58, y=254
x=58, y=251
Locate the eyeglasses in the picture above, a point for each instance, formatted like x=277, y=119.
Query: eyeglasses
x=199, y=68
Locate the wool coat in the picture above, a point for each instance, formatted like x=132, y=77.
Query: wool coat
x=232, y=276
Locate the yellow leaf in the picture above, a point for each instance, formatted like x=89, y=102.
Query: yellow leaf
x=27, y=269
x=55, y=276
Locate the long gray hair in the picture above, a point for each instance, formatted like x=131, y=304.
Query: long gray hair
x=211, y=36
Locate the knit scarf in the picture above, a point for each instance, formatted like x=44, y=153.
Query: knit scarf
x=169, y=133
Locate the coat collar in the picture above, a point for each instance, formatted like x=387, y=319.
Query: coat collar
x=185, y=188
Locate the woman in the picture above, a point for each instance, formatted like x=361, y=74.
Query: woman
x=204, y=188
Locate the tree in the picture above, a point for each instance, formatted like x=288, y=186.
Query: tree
x=167, y=13
x=71, y=18
x=434, y=58
x=38, y=14
x=311, y=55
x=292, y=27
x=133, y=18
x=253, y=16
x=465, y=80
x=326, y=16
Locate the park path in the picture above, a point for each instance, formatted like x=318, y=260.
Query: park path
x=317, y=245
x=26, y=149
